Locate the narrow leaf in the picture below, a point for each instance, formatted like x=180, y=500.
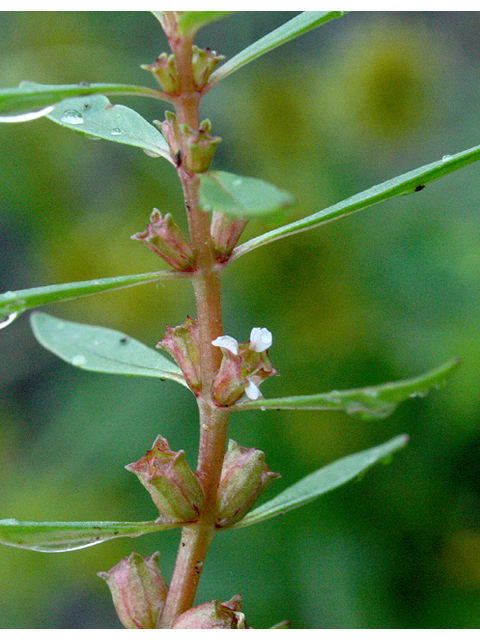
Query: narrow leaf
x=238, y=196
x=100, y=349
x=55, y=537
x=405, y=184
x=370, y=403
x=13, y=303
x=97, y=118
x=299, y=25
x=189, y=20
x=324, y=480
x=30, y=97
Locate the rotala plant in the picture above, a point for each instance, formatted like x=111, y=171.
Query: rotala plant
x=225, y=374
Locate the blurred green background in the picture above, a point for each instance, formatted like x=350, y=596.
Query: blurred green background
x=384, y=294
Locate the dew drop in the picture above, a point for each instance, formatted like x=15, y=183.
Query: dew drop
x=71, y=116
x=116, y=132
x=93, y=137
x=78, y=360
x=263, y=408
x=237, y=182
x=5, y=321
x=150, y=153
x=446, y=158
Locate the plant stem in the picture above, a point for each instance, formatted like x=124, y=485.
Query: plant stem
x=196, y=538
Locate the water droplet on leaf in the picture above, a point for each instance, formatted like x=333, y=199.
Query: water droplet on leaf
x=150, y=153
x=79, y=360
x=446, y=157
x=71, y=116
x=116, y=132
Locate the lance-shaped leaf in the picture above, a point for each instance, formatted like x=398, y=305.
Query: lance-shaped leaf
x=407, y=183
x=302, y=23
x=13, y=303
x=370, y=403
x=55, y=537
x=97, y=118
x=100, y=349
x=238, y=196
x=324, y=480
x=194, y=20
x=31, y=97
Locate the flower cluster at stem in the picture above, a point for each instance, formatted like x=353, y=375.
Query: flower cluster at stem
x=243, y=368
x=192, y=149
x=165, y=72
x=139, y=592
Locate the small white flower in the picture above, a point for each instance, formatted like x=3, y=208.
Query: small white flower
x=252, y=391
x=226, y=342
x=260, y=339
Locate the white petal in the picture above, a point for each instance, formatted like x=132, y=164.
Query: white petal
x=252, y=391
x=24, y=117
x=226, y=342
x=260, y=339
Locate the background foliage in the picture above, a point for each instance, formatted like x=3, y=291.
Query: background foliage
x=382, y=295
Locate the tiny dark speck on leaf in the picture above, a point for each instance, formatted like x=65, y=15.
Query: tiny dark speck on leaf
x=123, y=340
x=419, y=187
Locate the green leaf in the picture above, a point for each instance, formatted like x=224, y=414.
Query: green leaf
x=30, y=97
x=299, y=25
x=96, y=117
x=13, y=303
x=324, y=480
x=405, y=184
x=194, y=20
x=100, y=349
x=237, y=196
x=370, y=403
x=54, y=537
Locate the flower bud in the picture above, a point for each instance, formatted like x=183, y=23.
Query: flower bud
x=213, y=615
x=244, y=477
x=163, y=237
x=204, y=62
x=138, y=590
x=170, y=481
x=170, y=130
x=165, y=72
x=183, y=344
x=225, y=232
x=229, y=386
x=199, y=147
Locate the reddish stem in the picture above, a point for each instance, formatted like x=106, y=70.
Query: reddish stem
x=196, y=538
